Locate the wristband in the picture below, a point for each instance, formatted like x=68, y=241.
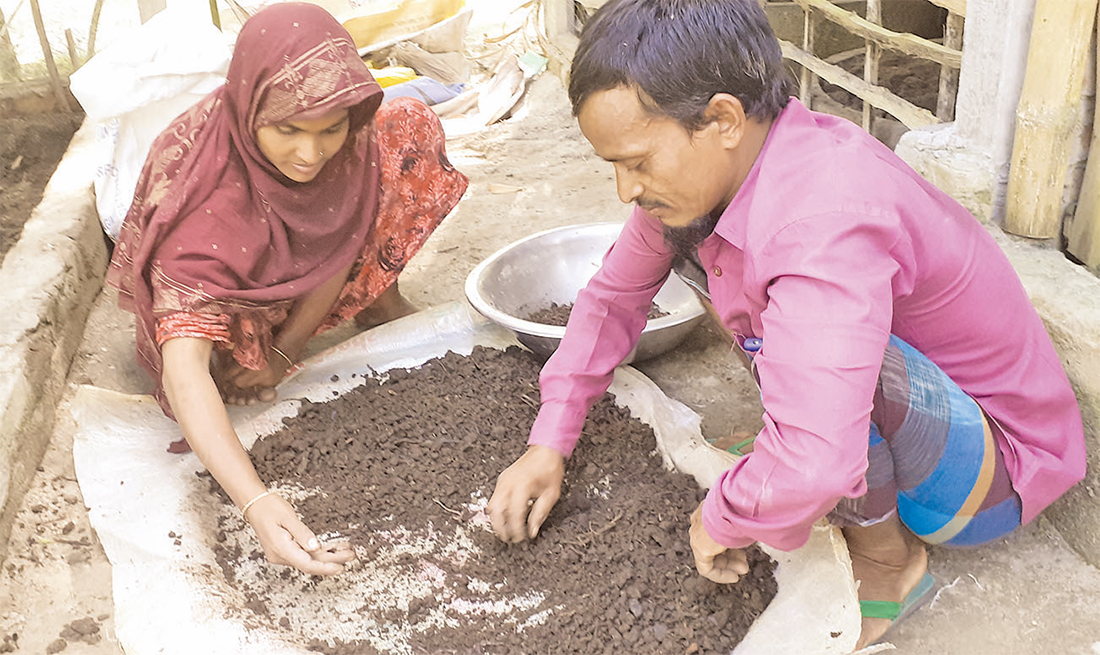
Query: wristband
x=289, y=362
x=249, y=504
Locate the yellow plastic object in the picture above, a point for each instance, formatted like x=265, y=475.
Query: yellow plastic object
x=391, y=75
x=392, y=19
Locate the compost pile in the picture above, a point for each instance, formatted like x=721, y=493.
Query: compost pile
x=404, y=468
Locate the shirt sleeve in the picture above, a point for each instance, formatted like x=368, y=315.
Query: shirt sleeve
x=604, y=325
x=826, y=322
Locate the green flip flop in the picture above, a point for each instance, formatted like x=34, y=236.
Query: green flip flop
x=897, y=612
x=736, y=448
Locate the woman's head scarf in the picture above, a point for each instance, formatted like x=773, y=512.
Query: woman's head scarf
x=214, y=227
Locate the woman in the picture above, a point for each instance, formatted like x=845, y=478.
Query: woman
x=282, y=204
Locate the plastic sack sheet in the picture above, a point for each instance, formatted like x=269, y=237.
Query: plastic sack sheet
x=157, y=519
x=133, y=89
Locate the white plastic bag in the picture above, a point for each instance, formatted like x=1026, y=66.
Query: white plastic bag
x=133, y=89
x=172, y=598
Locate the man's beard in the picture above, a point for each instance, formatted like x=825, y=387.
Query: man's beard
x=684, y=240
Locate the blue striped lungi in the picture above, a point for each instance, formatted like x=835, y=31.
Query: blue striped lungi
x=930, y=458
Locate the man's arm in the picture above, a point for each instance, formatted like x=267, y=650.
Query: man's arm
x=828, y=314
x=604, y=325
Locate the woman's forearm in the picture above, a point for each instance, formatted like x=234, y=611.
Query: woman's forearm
x=307, y=313
x=202, y=417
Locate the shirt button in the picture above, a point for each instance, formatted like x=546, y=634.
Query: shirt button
x=717, y=271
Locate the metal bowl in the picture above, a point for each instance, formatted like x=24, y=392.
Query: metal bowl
x=551, y=267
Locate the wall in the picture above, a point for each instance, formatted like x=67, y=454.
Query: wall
x=49, y=280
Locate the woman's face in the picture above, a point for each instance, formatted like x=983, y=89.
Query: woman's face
x=300, y=148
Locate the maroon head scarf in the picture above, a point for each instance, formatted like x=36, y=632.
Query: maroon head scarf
x=214, y=227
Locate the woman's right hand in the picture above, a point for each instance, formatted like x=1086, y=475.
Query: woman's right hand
x=242, y=386
x=286, y=540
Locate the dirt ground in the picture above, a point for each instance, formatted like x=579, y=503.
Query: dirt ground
x=30, y=148
x=1027, y=594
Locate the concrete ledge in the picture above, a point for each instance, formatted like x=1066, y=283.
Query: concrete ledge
x=49, y=281
x=1067, y=298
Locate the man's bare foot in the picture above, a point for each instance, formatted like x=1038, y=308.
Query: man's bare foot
x=888, y=561
x=388, y=306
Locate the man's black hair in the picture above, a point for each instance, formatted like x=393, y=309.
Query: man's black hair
x=679, y=53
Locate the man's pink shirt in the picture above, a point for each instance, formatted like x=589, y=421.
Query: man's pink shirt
x=831, y=244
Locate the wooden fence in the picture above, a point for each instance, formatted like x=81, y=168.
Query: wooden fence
x=947, y=54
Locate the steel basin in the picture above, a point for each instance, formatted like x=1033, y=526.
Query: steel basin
x=551, y=267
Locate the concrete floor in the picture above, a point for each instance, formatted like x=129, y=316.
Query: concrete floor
x=1026, y=595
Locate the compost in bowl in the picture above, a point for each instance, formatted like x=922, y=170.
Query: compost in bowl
x=551, y=268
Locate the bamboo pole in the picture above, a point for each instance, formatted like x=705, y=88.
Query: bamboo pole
x=1060, y=38
x=949, y=77
x=94, y=27
x=871, y=56
x=47, y=53
x=74, y=57
x=9, y=63
x=1083, y=232
x=214, y=14
x=807, y=79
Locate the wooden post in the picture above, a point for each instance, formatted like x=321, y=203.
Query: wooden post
x=1083, y=232
x=949, y=77
x=47, y=53
x=1060, y=38
x=871, y=55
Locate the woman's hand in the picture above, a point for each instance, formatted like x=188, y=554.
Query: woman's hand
x=713, y=560
x=286, y=540
x=243, y=386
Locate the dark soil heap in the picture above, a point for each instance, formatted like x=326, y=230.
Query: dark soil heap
x=613, y=560
x=558, y=315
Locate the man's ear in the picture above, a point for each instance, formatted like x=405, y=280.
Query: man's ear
x=726, y=113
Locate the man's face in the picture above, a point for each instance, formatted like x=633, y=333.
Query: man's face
x=675, y=175
x=300, y=148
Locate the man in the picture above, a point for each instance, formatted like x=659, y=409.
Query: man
x=910, y=391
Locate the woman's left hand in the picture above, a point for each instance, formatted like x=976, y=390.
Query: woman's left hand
x=713, y=560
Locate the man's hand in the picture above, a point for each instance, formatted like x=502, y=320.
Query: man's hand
x=536, y=476
x=713, y=560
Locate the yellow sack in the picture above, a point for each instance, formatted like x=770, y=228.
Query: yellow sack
x=391, y=75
